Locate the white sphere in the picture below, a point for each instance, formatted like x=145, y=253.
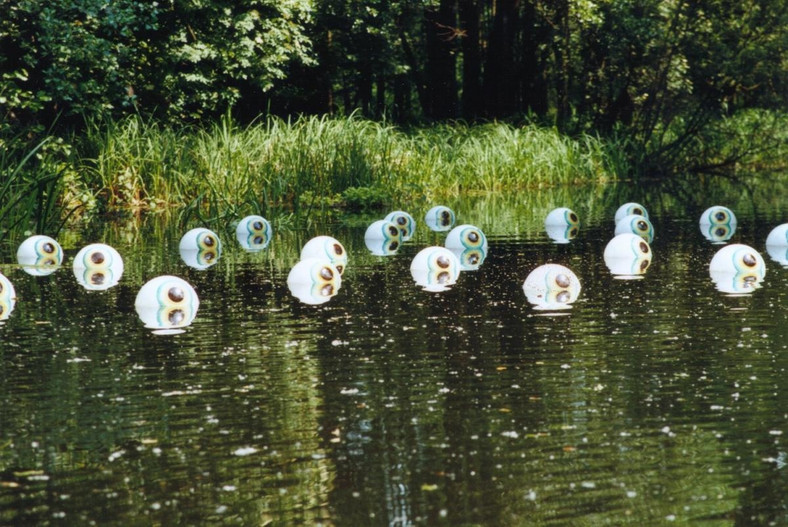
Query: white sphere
x=327, y=248
x=383, y=238
x=314, y=280
x=254, y=233
x=167, y=302
x=98, y=267
x=738, y=258
x=404, y=222
x=466, y=237
x=717, y=223
x=435, y=268
x=628, y=255
x=562, y=216
x=630, y=208
x=39, y=255
x=200, y=248
x=7, y=297
x=636, y=224
x=439, y=218
x=551, y=286
x=778, y=237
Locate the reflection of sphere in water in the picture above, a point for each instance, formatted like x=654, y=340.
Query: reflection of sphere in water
x=736, y=283
x=404, y=222
x=636, y=224
x=551, y=286
x=7, y=297
x=383, y=238
x=200, y=248
x=627, y=254
x=98, y=266
x=466, y=237
x=167, y=302
x=561, y=233
x=717, y=223
x=327, y=248
x=435, y=268
x=314, y=280
x=778, y=237
x=439, y=218
x=630, y=208
x=470, y=259
x=778, y=253
x=738, y=258
x=254, y=233
x=562, y=224
x=39, y=255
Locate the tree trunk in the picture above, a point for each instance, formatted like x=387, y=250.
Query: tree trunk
x=534, y=86
x=441, y=76
x=501, y=78
x=472, y=95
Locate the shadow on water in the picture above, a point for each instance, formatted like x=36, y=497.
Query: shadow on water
x=648, y=401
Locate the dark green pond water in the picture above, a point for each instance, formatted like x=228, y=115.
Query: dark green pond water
x=648, y=402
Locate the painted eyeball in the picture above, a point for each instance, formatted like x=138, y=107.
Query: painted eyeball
x=404, y=222
x=167, y=302
x=466, y=237
x=551, y=286
x=636, y=224
x=7, y=297
x=326, y=247
x=470, y=259
x=717, y=223
x=778, y=237
x=440, y=218
x=254, y=233
x=738, y=258
x=39, y=255
x=314, y=280
x=97, y=267
x=435, y=268
x=200, y=248
x=383, y=238
x=630, y=208
x=627, y=254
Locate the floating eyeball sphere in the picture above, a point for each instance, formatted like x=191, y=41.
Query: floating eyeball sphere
x=97, y=267
x=718, y=223
x=440, y=218
x=562, y=224
x=435, y=268
x=383, y=238
x=551, y=286
x=314, y=280
x=7, y=297
x=636, y=224
x=200, y=248
x=404, y=222
x=39, y=255
x=627, y=254
x=254, y=233
x=469, y=245
x=630, y=208
x=737, y=268
x=326, y=247
x=167, y=302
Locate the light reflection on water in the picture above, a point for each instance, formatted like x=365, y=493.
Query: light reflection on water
x=649, y=400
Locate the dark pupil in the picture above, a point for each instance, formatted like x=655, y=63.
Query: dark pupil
x=337, y=248
x=473, y=237
x=208, y=256
x=326, y=273
x=442, y=262
x=642, y=225
x=209, y=241
x=720, y=216
x=97, y=258
x=393, y=246
x=573, y=217
x=643, y=247
x=258, y=240
x=563, y=297
x=643, y=265
x=473, y=259
x=749, y=260
x=97, y=278
x=393, y=230
x=339, y=268
x=573, y=232
x=175, y=317
x=720, y=231
x=327, y=290
x=562, y=280
x=443, y=277
x=1, y=288
x=401, y=220
x=48, y=248
x=445, y=217
x=258, y=225
x=175, y=294
x=637, y=210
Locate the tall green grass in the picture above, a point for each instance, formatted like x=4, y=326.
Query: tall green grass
x=228, y=169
